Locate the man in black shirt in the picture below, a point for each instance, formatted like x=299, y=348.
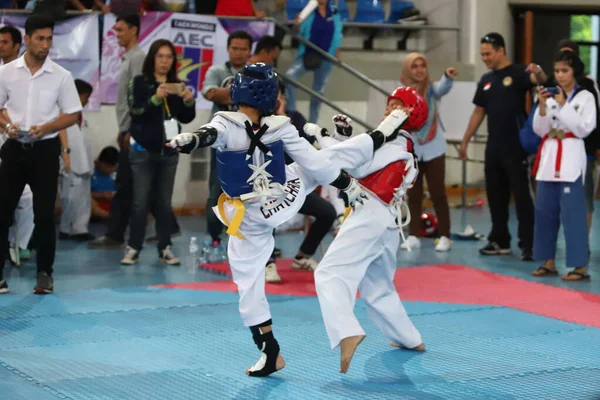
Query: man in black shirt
x=501, y=96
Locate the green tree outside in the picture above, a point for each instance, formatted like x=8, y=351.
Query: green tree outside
x=581, y=30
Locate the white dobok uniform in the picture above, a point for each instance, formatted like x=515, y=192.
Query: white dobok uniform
x=363, y=257
x=251, y=239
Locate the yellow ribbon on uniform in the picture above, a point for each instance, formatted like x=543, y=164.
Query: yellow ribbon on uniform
x=346, y=213
x=233, y=226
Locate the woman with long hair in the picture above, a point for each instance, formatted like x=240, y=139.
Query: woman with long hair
x=158, y=102
x=430, y=147
x=565, y=116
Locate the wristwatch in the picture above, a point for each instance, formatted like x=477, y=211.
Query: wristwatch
x=67, y=150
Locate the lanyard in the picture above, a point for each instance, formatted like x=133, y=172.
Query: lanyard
x=572, y=93
x=167, y=108
x=165, y=102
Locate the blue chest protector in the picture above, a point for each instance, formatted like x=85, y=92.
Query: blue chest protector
x=236, y=167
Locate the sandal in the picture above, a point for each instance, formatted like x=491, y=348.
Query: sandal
x=579, y=276
x=544, y=271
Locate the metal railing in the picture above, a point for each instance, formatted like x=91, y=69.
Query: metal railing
x=465, y=185
x=323, y=99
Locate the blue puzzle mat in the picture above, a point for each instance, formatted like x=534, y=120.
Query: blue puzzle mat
x=148, y=343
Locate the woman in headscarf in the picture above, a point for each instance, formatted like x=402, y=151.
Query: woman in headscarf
x=430, y=147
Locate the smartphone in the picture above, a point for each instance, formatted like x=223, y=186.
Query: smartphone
x=174, y=88
x=552, y=90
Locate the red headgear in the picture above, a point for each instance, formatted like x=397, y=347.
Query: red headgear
x=429, y=224
x=411, y=99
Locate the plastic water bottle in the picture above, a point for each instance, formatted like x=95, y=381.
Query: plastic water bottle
x=193, y=258
x=206, y=249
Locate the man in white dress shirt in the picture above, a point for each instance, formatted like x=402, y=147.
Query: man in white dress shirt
x=34, y=90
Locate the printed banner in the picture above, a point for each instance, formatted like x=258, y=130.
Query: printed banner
x=75, y=46
x=200, y=41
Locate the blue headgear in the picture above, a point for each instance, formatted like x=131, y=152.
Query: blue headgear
x=256, y=86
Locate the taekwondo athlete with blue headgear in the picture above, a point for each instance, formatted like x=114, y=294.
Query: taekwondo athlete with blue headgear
x=261, y=192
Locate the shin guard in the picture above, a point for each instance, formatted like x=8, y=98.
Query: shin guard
x=269, y=347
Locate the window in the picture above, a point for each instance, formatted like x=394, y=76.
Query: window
x=585, y=30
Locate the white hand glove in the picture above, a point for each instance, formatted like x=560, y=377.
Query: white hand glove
x=315, y=131
x=392, y=123
x=185, y=142
x=410, y=176
x=353, y=194
x=343, y=127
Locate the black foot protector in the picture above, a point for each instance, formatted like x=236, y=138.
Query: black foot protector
x=269, y=347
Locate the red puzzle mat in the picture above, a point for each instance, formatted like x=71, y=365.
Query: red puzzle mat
x=444, y=284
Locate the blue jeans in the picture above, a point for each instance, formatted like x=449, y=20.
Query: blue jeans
x=296, y=70
x=153, y=176
x=556, y=201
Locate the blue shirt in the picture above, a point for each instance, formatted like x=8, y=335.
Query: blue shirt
x=324, y=32
x=102, y=182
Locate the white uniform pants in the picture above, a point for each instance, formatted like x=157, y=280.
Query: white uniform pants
x=363, y=257
x=76, y=203
x=248, y=257
x=23, y=219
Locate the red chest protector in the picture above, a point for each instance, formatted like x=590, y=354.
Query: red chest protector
x=383, y=183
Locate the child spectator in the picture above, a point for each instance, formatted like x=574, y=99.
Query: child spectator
x=103, y=182
x=75, y=181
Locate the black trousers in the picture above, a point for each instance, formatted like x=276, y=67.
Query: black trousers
x=37, y=165
x=507, y=173
x=325, y=215
x=120, y=207
x=215, y=227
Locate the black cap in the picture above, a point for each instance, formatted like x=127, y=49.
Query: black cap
x=495, y=39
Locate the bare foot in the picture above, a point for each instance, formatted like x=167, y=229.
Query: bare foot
x=347, y=348
x=420, y=347
x=279, y=365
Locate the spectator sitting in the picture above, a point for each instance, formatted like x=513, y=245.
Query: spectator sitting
x=267, y=50
x=103, y=184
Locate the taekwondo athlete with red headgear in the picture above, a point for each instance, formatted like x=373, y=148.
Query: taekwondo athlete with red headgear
x=260, y=192
x=363, y=254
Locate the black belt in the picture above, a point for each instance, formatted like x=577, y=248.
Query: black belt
x=31, y=145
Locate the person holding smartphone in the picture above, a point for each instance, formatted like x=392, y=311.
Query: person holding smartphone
x=565, y=116
x=158, y=102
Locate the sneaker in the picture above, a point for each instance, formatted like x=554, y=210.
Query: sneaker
x=168, y=257
x=271, y=274
x=104, y=242
x=63, y=236
x=13, y=255
x=131, y=256
x=527, y=255
x=306, y=263
x=412, y=241
x=44, y=285
x=82, y=237
x=443, y=244
x=3, y=286
x=494, y=249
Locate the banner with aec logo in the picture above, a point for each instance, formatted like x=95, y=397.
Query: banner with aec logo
x=200, y=41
